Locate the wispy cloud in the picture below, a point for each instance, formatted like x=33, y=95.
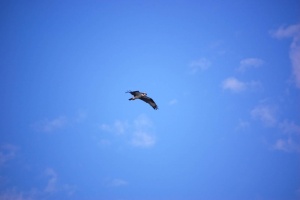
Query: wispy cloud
x=173, y=102
x=117, y=182
x=80, y=116
x=142, y=134
x=142, y=122
x=219, y=47
x=286, y=32
x=199, y=65
x=104, y=142
x=51, y=186
x=287, y=145
x=242, y=125
x=139, y=131
x=60, y=122
x=7, y=152
x=290, y=127
x=265, y=113
x=13, y=194
x=40, y=191
x=288, y=132
x=118, y=127
x=292, y=31
x=54, y=186
x=249, y=63
x=143, y=139
x=234, y=85
x=290, y=138
x=50, y=125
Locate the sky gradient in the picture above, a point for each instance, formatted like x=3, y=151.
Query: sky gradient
x=224, y=74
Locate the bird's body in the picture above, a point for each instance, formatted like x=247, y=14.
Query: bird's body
x=143, y=96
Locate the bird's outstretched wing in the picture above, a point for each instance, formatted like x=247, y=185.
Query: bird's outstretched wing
x=149, y=101
x=134, y=93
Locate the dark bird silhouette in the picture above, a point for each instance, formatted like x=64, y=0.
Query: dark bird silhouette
x=142, y=96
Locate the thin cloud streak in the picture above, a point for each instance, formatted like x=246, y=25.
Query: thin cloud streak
x=143, y=136
x=7, y=152
x=12, y=194
x=143, y=139
x=249, y=63
x=117, y=182
x=173, y=102
x=199, y=65
x=52, y=181
x=287, y=145
x=289, y=127
x=118, y=127
x=290, y=139
x=264, y=113
x=233, y=85
x=49, y=126
x=242, y=125
x=54, y=185
x=292, y=31
x=137, y=133
x=286, y=32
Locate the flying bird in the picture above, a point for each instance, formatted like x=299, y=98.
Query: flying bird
x=142, y=96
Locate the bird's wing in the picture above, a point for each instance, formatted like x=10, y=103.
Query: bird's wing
x=134, y=93
x=149, y=101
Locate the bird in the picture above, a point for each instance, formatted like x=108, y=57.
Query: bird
x=142, y=96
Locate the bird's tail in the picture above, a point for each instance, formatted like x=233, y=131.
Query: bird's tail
x=131, y=99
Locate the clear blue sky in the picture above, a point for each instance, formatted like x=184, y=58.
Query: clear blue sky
x=225, y=75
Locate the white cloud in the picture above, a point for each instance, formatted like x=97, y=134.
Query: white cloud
x=69, y=189
x=142, y=134
x=289, y=127
x=173, y=102
x=118, y=127
x=80, y=116
x=233, y=84
x=51, y=186
x=250, y=63
x=298, y=192
x=295, y=58
x=7, y=152
x=104, y=142
x=287, y=145
x=142, y=122
x=50, y=125
x=138, y=132
x=105, y=127
x=43, y=191
x=286, y=32
x=242, y=125
x=286, y=132
x=293, y=32
x=290, y=141
x=143, y=139
x=265, y=113
x=15, y=195
x=199, y=65
x=117, y=182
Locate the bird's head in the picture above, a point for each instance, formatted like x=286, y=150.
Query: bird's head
x=144, y=94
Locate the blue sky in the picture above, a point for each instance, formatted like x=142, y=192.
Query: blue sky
x=225, y=75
